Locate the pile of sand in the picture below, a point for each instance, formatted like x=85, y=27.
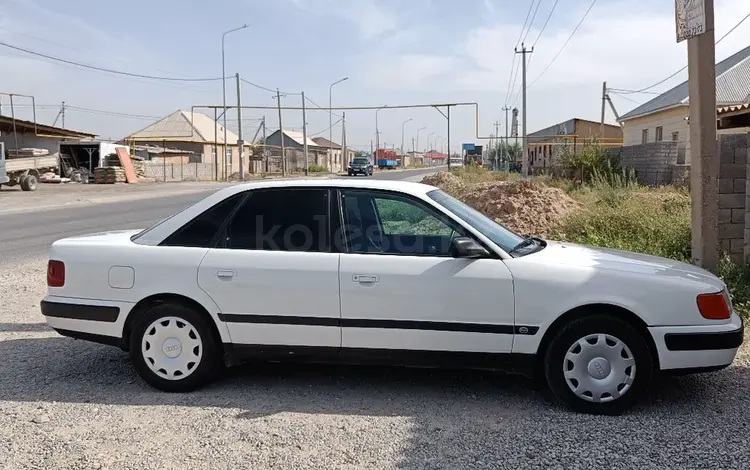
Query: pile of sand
x=525, y=206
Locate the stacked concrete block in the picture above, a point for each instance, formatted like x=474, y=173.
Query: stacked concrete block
x=733, y=171
x=653, y=162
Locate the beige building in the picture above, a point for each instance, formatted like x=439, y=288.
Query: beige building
x=197, y=133
x=545, y=146
x=665, y=118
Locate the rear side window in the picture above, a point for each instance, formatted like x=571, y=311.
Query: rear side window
x=285, y=219
x=201, y=231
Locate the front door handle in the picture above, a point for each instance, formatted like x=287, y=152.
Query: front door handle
x=365, y=279
x=225, y=273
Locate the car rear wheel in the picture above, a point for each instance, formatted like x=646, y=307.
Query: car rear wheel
x=174, y=349
x=599, y=365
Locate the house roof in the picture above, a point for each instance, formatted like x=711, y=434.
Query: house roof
x=323, y=142
x=732, y=87
x=296, y=137
x=184, y=126
x=6, y=125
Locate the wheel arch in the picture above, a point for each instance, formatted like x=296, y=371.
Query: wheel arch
x=160, y=299
x=592, y=309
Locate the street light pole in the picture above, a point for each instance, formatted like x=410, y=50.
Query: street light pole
x=330, y=118
x=224, y=93
x=420, y=129
x=428, y=140
x=402, y=135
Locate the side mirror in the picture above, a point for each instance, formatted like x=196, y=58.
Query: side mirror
x=465, y=247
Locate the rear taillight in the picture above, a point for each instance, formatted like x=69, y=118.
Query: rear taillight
x=714, y=306
x=55, y=273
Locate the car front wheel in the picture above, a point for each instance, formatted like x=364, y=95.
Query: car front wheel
x=174, y=349
x=598, y=364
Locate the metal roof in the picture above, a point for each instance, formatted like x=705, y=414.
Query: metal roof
x=323, y=142
x=21, y=125
x=184, y=126
x=732, y=87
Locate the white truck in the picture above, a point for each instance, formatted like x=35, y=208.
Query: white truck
x=24, y=171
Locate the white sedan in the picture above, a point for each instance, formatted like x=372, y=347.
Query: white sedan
x=384, y=272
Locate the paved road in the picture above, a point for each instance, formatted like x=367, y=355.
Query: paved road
x=24, y=235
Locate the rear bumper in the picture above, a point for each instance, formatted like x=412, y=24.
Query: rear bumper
x=698, y=347
x=93, y=320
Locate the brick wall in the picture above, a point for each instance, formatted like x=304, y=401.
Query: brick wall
x=653, y=162
x=732, y=195
x=180, y=172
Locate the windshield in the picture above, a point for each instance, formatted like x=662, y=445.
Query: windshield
x=360, y=161
x=500, y=235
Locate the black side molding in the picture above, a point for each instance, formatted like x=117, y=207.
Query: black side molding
x=704, y=341
x=94, y=338
x=502, y=329
x=80, y=312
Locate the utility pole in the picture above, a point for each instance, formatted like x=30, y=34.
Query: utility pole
x=604, y=104
x=281, y=132
x=523, y=53
x=343, y=138
x=449, y=137
x=304, y=136
x=497, y=142
x=704, y=163
x=507, y=150
x=240, y=142
x=263, y=147
x=372, y=153
x=62, y=114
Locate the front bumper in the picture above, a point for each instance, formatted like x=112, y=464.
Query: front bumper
x=698, y=347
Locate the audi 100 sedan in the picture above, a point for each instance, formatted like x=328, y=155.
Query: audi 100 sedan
x=384, y=272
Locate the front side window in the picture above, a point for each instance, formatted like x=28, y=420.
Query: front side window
x=283, y=219
x=499, y=235
x=384, y=223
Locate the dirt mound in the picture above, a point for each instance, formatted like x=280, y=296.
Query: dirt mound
x=527, y=207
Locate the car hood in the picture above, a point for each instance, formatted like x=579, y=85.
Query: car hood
x=572, y=254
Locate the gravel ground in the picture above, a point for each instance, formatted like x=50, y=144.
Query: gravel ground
x=69, y=404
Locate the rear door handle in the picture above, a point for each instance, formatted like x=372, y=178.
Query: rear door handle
x=225, y=273
x=365, y=278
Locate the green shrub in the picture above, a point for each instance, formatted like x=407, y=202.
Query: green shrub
x=315, y=168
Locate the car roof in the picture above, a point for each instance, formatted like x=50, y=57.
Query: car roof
x=416, y=189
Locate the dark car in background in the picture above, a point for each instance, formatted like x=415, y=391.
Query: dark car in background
x=360, y=166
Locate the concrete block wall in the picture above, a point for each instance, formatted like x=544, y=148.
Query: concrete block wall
x=180, y=172
x=653, y=162
x=733, y=196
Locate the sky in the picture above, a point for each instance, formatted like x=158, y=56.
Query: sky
x=394, y=52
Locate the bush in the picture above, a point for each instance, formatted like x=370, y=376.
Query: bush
x=655, y=222
x=314, y=168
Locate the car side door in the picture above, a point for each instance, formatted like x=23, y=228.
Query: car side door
x=402, y=290
x=272, y=272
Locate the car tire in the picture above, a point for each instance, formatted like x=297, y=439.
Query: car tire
x=604, y=346
x=174, y=349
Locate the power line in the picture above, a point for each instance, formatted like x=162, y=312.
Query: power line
x=320, y=107
x=260, y=87
x=110, y=113
x=642, y=90
x=565, y=43
x=327, y=128
x=112, y=71
x=625, y=97
x=545, y=23
x=533, y=17
x=512, y=77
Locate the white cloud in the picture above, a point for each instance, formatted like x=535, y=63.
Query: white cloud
x=370, y=17
x=629, y=47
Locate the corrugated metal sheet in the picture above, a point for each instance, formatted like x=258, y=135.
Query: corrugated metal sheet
x=298, y=137
x=185, y=126
x=732, y=86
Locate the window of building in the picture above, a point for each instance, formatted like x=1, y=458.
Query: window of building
x=675, y=136
x=284, y=219
x=644, y=136
x=659, y=134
